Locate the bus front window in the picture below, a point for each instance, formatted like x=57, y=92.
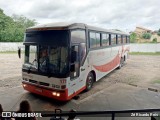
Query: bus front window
x=30, y=57
x=43, y=59
x=53, y=59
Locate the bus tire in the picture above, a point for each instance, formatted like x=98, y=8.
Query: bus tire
x=121, y=63
x=89, y=81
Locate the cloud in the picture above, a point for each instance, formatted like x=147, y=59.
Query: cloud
x=120, y=14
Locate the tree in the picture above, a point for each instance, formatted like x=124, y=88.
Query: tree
x=146, y=35
x=22, y=21
x=5, y=25
x=154, y=40
x=133, y=37
x=12, y=28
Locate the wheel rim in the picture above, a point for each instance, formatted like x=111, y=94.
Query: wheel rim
x=89, y=82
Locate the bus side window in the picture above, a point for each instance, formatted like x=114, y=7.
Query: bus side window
x=113, y=39
x=125, y=39
x=78, y=36
x=98, y=40
x=119, y=39
x=82, y=52
x=128, y=39
x=122, y=39
x=105, y=39
x=92, y=40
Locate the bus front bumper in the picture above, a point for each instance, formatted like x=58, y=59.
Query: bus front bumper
x=61, y=95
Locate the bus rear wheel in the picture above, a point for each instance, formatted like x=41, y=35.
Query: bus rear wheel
x=89, y=81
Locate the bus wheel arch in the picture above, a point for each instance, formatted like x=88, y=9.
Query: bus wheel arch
x=94, y=74
x=91, y=78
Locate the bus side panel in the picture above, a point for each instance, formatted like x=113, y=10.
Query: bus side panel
x=103, y=61
x=79, y=84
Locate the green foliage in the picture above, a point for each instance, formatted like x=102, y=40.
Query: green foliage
x=146, y=35
x=12, y=28
x=158, y=33
x=133, y=37
x=144, y=53
x=154, y=40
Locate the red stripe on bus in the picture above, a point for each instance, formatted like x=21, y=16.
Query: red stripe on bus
x=108, y=66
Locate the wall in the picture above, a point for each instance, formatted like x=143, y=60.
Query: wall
x=145, y=47
x=133, y=47
x=155, y=36
x=9, y=46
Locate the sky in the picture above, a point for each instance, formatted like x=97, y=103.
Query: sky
x=110, y=14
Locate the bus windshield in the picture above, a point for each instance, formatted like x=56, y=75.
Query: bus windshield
x=46, y=52
x=46, y=59
x=53, y=59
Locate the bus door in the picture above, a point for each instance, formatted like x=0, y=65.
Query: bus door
x=74, y=69
x=77, y=68
x=83, y=65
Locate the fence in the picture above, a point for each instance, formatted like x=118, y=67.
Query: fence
x=13, y=46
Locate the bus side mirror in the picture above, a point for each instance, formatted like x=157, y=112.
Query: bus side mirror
x=72, y=68
x=73, y=56
x=19, y=52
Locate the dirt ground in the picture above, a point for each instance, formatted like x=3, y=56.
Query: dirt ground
x=140, y=70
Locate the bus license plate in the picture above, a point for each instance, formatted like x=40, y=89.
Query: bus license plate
x=38, y=89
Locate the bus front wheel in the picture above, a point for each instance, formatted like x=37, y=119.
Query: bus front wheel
x=89, y=81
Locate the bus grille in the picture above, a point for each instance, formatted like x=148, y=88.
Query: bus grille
x=39, y=83
x=44, y=84
x=33, y=81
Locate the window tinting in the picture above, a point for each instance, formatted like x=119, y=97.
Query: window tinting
x=113, y=39
x=78, y=36
x=105, y=39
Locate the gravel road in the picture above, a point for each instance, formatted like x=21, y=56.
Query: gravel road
x=140, y=70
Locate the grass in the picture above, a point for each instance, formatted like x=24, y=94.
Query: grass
x=156, y=81
x=144, y=53
x=10, y=52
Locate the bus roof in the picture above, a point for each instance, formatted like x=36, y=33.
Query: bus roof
x=70, y=25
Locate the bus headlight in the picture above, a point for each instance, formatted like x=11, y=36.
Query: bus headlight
x=56, y=94
x=24, y=85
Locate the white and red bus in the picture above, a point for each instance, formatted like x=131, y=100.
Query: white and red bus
x=63, y=59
